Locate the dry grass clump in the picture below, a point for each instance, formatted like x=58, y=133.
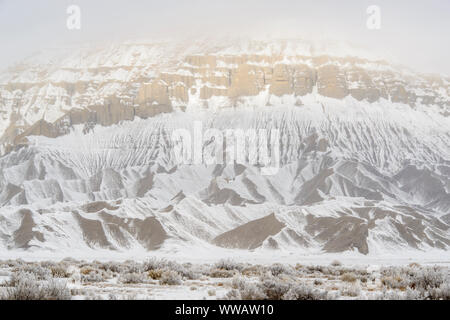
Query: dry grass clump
x=273, y=288
x=414, y=265
x=318, y=282
x=390, y=295
x=112, y=267
x=441, y=293
x=427, y=279
x=155, y=274
x=90, y=275
x=157, y=264
x=250, y=292
x=43, y=280
x=132, y=267
x=86, y=270
x=59, y=271
x=395, y=282
x=305, y=292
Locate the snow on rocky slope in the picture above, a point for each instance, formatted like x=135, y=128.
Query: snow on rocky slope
x=89, y=161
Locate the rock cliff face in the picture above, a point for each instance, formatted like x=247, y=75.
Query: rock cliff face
x=49, y=92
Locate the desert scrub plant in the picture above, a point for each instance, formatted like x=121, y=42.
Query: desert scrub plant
x=155, y=264
x=228, y=264
x=221, y=273
x=426, y=279
x=132, y=278
x=91, y=277
x=171, y=278
x=85, y=270
x=352, y=290
x=41, y=273
x=349, y=277
x=441, y=293
x=304, y=291
x=15, y=263
x=274, y=288
x=56, y=290
x=253, y=271
x=59, y=271
x=276, y=269
x=155, y=274
x=28, y=287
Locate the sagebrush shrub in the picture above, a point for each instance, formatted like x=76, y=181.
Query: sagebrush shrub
x=441, y=293
x=132, y=278
x=155, y=274
x=26, y=286
x=171, y=278
x=228, y=264
x=349, y=277
x=41, y=273
x=274, y=289
x=427, y=279
x=277, y=269
x=155, y=264
x=59, y=272
x=304, y=292
x=92, y=277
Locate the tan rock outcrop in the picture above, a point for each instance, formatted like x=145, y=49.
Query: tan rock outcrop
x=331, y=82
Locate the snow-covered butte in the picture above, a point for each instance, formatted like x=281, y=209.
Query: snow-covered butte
x=88, y=161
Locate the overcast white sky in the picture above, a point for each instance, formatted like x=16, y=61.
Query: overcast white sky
x=416, y=32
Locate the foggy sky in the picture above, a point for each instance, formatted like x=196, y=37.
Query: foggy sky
x=416, y=33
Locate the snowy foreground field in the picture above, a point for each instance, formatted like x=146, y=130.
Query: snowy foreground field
x=226, y=279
